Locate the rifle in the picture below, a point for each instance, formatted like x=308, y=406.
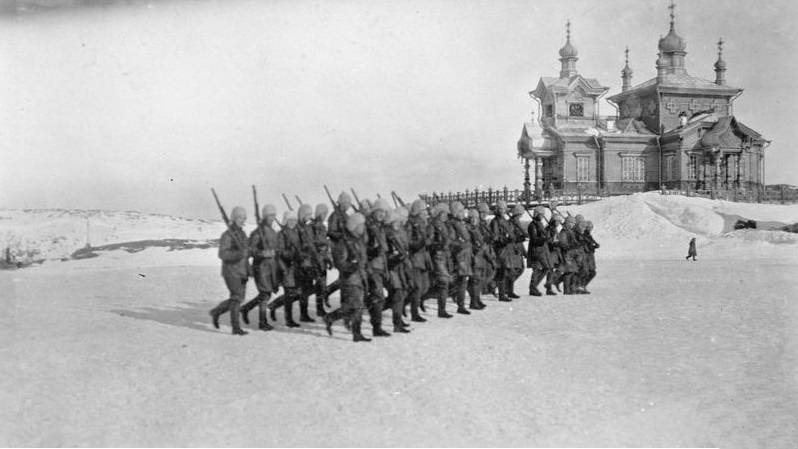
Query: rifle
x=227, y=221
x=334, y=204
x=298, y=199
x=396, y=198
x=357, y=200
x=287, y=203
x=257, y=216
x=395, y=204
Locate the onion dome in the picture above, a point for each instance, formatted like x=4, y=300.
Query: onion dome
x=672, y=42
x=627, y=71
x=720, y=64
x=568, y=50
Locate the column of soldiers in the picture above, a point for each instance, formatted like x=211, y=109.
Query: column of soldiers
x=394, y=258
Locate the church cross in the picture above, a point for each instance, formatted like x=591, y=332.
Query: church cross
x=672, y=7
x=720, y=47
x=568, y=30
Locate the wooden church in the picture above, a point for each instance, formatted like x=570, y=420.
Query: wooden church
x=674, y=131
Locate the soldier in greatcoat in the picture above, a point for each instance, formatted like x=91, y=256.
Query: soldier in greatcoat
x=234, y=252
x=538, y=253
x=399, y=266
x=591, y=246
x=439, y=240
x=289, y=252
x=479, y=251
x=376, y=249
x=518, y=253
x=503, y=240
x=419, y=258
x=570, y=254
x=324, y=257
x=488, y=282
x=461, y=256
x=263, y=247
x=350, y=259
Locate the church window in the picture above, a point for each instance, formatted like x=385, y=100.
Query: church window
x=549, y=110
x=576, y=110
x=633, y=168
x=582, y=168
x=692, y=169
x=668, y=175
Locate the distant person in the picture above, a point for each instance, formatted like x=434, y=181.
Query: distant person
x=234, y=252
x=263, y=245
x=691, y=252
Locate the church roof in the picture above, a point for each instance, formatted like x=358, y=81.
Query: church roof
x=680, y=80
x=549, y=81
x=721, y=132
x=632, y=126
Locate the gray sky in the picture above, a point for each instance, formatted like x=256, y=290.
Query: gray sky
x=146, y=105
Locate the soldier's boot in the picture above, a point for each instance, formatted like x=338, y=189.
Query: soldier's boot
x=320, y=312
x=442, y=305
x=331, y=318
x=568, y=283
x=549, y=291
x=263, y=324
x=421, y=305
x=503, y=293
x=414, y=315
x=511, y=287
x=303, y=310
x=533, y=284
x=482, y=305
x=235, y=310
x=217, y=311
x=254, y=302
x=288, y=307
x=357, y=335
x=399, y=326
x=378, y=331
x=461, y=304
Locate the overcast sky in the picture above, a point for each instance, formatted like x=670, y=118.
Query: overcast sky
x=139, y=105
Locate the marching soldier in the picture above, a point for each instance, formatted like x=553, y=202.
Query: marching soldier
x=539, y=257
x=290, y=260
x=419, y=258
x=479, y=249
x=349, y=257
x=439, y=239
x=503, y=239
x=310, y=262
x=263, y=247
x=568, y=252
x=324, y=257
x=461, y=256
x=377, y=247
x=488, y=283
x=336, y=224
x=517, y=252
x=234, y=252
x=399, y=267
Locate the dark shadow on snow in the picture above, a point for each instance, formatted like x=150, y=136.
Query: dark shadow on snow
x=196, y=316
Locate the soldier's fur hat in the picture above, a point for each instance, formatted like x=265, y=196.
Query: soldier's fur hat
x=305, y=211
x=401, y=214
x=473, y=213
x=569, y=221
x=381, y=204
x=556, y=219
x=589, y=225
x=321, y=210
x=269, y=209
x=581, y=226
x=238, y=211
x=289, y=215
x=457, y=207
x=501, y=205
x=344, y=198
x=579, y=218
x=540, y=211
x=483, y=208
x=517, y=210
x=354, y=221
x=417, y=207
x=441, y=209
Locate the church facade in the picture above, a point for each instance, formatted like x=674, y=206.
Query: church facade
x=674, y=131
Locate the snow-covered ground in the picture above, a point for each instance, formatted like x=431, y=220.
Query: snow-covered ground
x=118, y=349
